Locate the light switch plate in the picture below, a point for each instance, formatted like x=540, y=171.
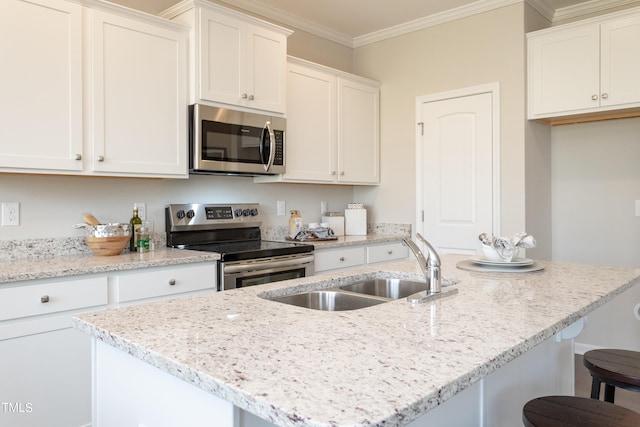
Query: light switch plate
x=281, y=208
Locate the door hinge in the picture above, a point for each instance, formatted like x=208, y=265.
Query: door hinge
x=422, y=216
x=421, y=124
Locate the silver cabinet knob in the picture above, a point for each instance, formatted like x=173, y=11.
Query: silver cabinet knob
x=605, y=95
x=342, y=173
x=390, y=252
x=101, y=158
x=251, y=97
x=244, y=96
x=172, y=282
x=341, y=258
x=44, y=298
x=594, y=97
x=333, y=172
x=77, y=157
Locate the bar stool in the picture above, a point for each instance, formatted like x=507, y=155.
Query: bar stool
x=571, y=411
x=614, y=368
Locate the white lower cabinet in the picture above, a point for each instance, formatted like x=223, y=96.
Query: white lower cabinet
x=355, y=256
x=386, y=252
x=45, y=364
x=163, y=282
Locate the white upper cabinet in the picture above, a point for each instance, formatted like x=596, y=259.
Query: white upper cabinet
x=129, y=70
x=332, y=127
x=139, y=98
x=41, y=85
x=586, y=70
x=237, y=60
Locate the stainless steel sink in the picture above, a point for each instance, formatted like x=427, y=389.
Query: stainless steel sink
x=329, y=300
x=386, y=288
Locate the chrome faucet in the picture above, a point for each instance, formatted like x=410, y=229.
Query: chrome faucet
x=430, y=265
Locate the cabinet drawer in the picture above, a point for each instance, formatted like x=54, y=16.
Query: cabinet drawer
x=387, y=252
x=163, y=282
x=32, y=300
x=338, y=258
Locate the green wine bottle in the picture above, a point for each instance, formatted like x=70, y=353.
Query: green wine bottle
x=136, y=223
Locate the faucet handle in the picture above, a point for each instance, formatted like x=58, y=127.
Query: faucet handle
x=432, y=255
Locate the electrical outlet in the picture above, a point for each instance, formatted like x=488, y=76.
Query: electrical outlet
x=323, y=208
x=142, y=210
x=281, y=208
x=11, y=214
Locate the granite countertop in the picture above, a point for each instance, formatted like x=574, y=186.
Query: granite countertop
x=344, y=241
x=382, y=365
x=74, y=265
x=48, y=263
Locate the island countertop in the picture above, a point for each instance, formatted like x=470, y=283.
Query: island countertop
x=382, y=365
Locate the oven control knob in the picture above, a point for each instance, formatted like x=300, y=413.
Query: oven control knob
x=190, y=213
x=254, y=212
x=180, y=214
x=246, y=212
x=238, y=212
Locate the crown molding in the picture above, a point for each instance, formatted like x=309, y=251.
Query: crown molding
x=432, y=20
x=593, y=6
x=283, y=17
x=543, y=7
x=480, y=6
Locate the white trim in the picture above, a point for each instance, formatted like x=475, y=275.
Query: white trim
x=580, y=348
x=494, y=90
x=257, y=7
x=590, y=7
x=454, y=14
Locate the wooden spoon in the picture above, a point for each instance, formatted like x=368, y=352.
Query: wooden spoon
x=90, y=219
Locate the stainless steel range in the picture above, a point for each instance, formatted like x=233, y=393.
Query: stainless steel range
x=233, y=231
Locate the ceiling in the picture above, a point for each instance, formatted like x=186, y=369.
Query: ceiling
x=354, y=22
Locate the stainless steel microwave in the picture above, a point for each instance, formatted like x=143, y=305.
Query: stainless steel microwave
x=231, y=142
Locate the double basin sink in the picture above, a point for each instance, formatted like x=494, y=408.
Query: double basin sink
x=360, y=294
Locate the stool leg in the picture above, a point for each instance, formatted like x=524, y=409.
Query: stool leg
x=609, y=393
x=595, y=389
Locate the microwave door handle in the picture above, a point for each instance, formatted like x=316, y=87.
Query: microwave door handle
x=272, y=145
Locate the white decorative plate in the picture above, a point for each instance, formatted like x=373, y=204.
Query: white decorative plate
x=516, y=262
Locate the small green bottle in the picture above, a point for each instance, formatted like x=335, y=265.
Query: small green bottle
x=136, y=223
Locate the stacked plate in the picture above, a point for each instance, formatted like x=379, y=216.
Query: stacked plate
x=517, y=265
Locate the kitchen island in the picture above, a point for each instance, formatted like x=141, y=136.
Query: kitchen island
x=471, y=359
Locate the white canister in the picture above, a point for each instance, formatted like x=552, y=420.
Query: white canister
x=355, y=222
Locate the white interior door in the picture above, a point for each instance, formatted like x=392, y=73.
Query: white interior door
x=456, y=168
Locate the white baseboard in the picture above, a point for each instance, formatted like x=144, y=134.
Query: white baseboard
x=580, y=348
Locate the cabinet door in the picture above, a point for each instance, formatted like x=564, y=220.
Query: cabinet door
x=311, y=125
x=358, y=133
x=41, y=85
x=222, y=58
x=240, y=63
x=564, y=71
x=139, y=103
x=153, y=283
x=46, y=378
x=332, y=259
x=266, y=72
x=620, y=57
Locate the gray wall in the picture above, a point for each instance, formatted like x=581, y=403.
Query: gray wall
x=596, y=181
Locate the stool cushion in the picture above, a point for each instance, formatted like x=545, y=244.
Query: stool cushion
x=617, y=367
x=571, y=411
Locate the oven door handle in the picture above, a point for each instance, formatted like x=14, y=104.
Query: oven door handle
x=261, y=265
